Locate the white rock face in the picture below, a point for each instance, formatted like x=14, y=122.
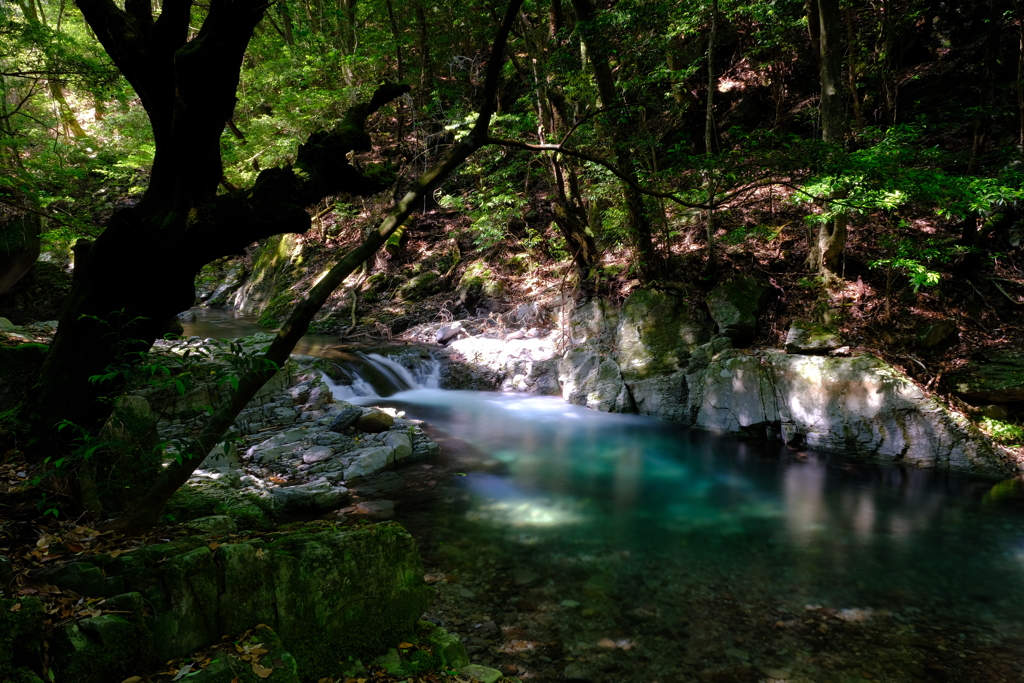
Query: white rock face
x=647, y=357
x=860, y=406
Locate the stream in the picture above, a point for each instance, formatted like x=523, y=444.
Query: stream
x=606, y=547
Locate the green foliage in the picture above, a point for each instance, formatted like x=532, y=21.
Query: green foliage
x=1003, y=433
x=914, y=257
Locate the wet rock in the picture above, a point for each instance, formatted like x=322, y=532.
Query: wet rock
x=345, y=419
x=809, y=337
x=367, y=461
x=314, y=495
x=317, y=454
x=376, y=510
x=483, y=674
x=524, y=577
x=187, y=316
x=400, y=443
x=374, y=422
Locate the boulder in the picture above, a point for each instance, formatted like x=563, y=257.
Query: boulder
x=368, y=461
x=19, y=247
x=374, y=422
x=419, y=287
x=938, y=335
x=400, y=444
x=993, y=376
x=345, y=419
x=311, y=496
x=860, y=406
x=810, y=337
x=215, y=524
x=736, y=305
x=38, y=295
x=321, y=593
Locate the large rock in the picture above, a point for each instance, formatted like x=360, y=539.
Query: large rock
x=861, y=407
x=736, y=305
x=374, y=421
x=19, y=247
x=325, y=593
x=809, y=337
x=995, y=376
x=38, y=295
x=633, y=359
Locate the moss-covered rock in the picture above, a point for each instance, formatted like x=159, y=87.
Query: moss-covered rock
x=809, y=337
x=736, y=305
x=107, y=647
x=196, y=499
x=419, y=287
x=328, y=594
x=19, y=368
x=21, y=638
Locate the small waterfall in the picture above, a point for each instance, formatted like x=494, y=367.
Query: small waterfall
x=373, y=375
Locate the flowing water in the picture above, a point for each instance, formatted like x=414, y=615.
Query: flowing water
x=633, y=540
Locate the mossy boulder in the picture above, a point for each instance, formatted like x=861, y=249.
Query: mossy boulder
x=419, y=287
x=204, y=498
x=107, y=647
x=809, y=337
x=327, y=593
x=19, y=368
x=229, y=667
x=994, y=376
x=736, y=305
x=478, y=282
x=21, y=638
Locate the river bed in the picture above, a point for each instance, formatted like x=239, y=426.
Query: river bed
x=566, y=544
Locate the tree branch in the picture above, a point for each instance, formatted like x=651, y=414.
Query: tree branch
x=173, y=477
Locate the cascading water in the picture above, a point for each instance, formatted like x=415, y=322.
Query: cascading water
x=373, y=375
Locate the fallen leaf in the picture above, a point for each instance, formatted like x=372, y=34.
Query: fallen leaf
x=132, y=679
x=257, y=651
x=404, y=646
x=607, y=643
x=76, y=547
x=16, y=607
x=213, y=546
x=326, y=680
x=259, y=553
x=181, y=673
x=261, y=671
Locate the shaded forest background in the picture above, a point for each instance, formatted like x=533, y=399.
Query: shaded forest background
x=862, y=157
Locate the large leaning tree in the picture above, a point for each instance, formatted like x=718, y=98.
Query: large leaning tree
x=141, y=270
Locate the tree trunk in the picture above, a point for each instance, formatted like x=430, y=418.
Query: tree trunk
x=827, y=248
x=639, y=220
x=140, y=271
x=173, y=477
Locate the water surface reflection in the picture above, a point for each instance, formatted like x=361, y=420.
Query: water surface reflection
x=810, y=527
